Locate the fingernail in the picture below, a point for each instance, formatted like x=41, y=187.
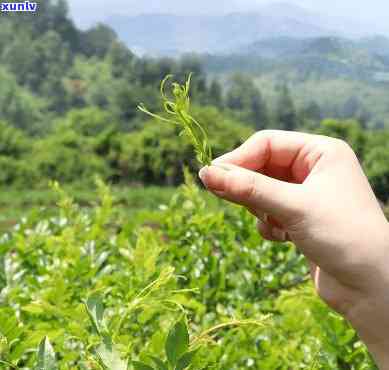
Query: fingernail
x=203, y=173
x=279, y=234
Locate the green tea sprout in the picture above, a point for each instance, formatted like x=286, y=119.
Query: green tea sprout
x=178, y=108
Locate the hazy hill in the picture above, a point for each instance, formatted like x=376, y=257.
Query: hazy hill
x=327, y=56
x=164, y=34
x=174, y=34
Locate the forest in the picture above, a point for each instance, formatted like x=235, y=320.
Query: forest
x=111, y=255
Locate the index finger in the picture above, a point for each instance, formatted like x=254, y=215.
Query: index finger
x=272, y=149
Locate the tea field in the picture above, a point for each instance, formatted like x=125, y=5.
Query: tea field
x=163, y=280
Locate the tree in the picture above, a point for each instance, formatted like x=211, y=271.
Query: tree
x=259, y=113
x=190, y=64
x=13, y=142
x=89, y=122
x=121, y=60
x=18, y=106
x=351, y=107
x=98, y=40
x=244, y=98
x=286, y=115
x=215, y=94
x=310, y=115
x=312, y=111
x=125, y=102
x=91, y=81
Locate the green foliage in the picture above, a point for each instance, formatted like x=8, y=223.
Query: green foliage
x=110, y=293
x=177, y=343
x=18, y=106
x=286, y=115
x=88, y=122
x=13, y=142
x=67, y=156
x=245, y=100
x=98, y=40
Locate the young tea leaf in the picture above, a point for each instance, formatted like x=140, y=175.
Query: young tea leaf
x=178, y=108
x=177, y=342
x=46, y=356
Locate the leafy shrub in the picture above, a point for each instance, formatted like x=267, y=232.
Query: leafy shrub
x=15, y=172
x=67, y=157
x=13, y=142
x=105, y=292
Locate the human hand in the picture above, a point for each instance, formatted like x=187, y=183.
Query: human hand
x=311, y=190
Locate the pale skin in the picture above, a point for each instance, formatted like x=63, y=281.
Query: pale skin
x=311, y=190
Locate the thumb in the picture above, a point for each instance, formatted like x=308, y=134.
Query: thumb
x=254, y=190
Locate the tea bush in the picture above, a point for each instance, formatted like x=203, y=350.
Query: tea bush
x=196, y=289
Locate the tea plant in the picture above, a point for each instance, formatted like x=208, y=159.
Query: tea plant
x=178, y=108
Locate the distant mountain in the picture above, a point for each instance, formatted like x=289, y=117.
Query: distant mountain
x=325, y=56
x=164, y=34
x=172, y=34
x=364, y=50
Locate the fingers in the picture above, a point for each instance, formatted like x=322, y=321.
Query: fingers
x=279, y=147
x=253, y=190
x=279, y=154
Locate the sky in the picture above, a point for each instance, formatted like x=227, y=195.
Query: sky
x=375, y=12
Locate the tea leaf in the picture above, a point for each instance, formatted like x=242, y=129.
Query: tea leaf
x=177, y=342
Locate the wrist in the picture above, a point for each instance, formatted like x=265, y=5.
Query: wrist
x=370, y=312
